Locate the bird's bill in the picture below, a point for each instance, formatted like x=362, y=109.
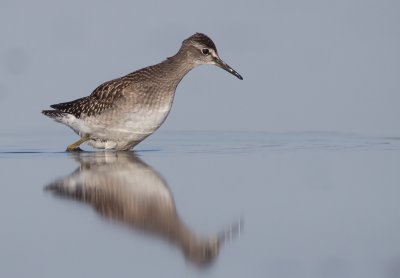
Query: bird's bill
x=225, y=66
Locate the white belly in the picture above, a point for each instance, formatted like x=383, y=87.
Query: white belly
x=143, y=122
x=126, y=131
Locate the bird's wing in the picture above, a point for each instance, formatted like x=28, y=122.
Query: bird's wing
x=101, y=99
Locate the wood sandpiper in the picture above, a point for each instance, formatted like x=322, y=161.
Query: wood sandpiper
x=122, y=112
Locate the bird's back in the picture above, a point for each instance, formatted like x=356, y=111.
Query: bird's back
x=101, y=99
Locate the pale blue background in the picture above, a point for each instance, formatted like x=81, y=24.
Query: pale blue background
x=307, y=65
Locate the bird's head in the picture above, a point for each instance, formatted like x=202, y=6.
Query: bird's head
x=202, y=51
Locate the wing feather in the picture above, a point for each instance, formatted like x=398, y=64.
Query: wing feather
x=101, y=99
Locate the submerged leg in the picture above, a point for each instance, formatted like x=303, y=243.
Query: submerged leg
x=75, y=146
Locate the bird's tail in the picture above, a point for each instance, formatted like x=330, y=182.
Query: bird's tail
x=55, y=114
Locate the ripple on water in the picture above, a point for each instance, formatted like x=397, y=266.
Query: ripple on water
x=211, y=142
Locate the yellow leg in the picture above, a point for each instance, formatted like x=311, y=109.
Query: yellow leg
x=75, y=146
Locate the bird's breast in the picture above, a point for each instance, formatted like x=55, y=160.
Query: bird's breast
x=145, y=119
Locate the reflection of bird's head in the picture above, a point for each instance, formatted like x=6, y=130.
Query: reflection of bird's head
x=202, y=252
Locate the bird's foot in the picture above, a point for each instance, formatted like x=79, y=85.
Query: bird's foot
x=74, y=147
x=73, y=150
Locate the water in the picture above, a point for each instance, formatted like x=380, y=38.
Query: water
x=282, y=205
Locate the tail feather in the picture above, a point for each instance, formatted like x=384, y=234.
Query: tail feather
x=66, y=106
x=54, y=114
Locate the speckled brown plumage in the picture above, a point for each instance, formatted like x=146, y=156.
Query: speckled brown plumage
x=100, y=100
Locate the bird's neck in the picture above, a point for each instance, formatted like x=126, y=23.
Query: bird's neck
x=176, y=67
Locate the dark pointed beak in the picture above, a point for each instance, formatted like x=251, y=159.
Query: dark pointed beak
x=225, y=66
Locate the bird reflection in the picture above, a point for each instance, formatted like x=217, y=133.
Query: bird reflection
x=122, y=187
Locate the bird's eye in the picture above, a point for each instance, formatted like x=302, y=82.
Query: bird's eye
x=205, y=51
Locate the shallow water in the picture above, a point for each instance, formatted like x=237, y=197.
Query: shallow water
x=281, y=205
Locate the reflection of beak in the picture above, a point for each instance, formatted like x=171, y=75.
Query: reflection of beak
x=223, y=65
x=235, y=229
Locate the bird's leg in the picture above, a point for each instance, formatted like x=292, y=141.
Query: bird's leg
x=75, y=146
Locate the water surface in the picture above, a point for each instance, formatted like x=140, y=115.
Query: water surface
x=202, y=204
